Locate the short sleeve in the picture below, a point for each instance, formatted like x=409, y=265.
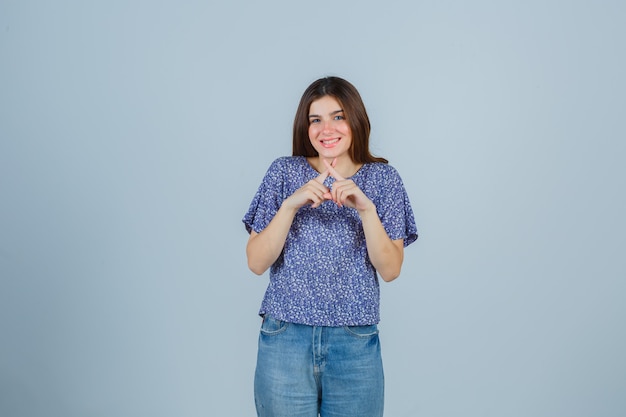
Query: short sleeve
x=267, y=199
x=394, y=208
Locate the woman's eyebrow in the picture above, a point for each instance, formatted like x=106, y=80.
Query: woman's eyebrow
x=331, y=113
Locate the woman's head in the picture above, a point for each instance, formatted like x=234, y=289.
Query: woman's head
x=353, y=110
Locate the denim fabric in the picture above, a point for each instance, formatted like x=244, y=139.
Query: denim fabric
x=306, y=371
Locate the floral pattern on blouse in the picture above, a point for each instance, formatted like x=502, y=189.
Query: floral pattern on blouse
x=324, y=277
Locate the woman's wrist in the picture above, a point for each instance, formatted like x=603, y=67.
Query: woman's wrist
x=288, y=206
x=369, y=208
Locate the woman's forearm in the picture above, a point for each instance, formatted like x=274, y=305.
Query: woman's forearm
x=265, y=247
x=385, y=254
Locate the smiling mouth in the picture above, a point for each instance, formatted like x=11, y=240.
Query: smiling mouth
x=330, y=142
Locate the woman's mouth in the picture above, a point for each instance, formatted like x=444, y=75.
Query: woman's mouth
x=329, y=142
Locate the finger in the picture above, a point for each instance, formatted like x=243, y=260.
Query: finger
x=321, y=197
x=320, y=178
x=340, y=196
x=335, y=193
x=332, y=171
x=318, y=187
x=346, y=194
x=319, y=191
x=315, y=204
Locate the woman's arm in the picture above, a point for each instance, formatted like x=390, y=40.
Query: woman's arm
x=385, y=254
x=265, y=247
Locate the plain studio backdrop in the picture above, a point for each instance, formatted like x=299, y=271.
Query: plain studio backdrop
x=133, y=135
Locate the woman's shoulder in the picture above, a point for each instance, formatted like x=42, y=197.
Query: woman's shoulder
x=379, y=170
x=287, y=167
x=289, y=161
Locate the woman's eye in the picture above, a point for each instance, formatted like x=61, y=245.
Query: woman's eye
x=314, y=120
x=339, y=117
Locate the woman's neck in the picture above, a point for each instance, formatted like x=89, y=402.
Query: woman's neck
x=343, y=165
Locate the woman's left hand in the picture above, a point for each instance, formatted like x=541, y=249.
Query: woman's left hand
x=345, y=192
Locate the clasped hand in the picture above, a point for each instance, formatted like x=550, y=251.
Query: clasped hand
x=344, y=192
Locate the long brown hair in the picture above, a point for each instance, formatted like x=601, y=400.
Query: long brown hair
x=353, y=109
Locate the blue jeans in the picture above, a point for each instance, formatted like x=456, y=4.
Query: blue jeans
x=306, y=371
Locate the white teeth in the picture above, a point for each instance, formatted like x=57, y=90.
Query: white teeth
x=330, y=141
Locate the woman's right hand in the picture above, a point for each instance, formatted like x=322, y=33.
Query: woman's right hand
x=265, y=247
x=313, y=192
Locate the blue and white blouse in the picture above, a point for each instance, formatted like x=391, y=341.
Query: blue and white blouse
x=324, y=277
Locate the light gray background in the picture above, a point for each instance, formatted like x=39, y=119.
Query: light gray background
x=133, y=136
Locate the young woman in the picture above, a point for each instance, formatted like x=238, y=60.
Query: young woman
x=325, y=221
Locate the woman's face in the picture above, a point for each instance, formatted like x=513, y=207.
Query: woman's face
x=329, y=131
